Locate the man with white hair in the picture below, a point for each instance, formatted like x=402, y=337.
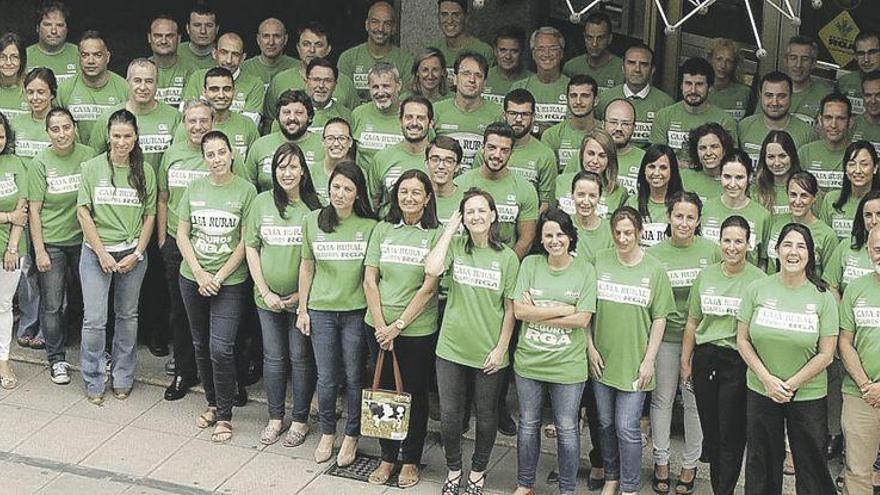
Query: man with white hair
x=548, y=85
x=807, y=92
x=375, y=125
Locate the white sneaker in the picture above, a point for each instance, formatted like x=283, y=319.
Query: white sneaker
x=60, y=373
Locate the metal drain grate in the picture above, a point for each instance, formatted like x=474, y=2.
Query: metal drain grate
x=361, y=468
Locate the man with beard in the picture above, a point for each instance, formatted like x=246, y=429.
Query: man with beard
x=638, y=70
x=866, y=50
x=775, y=95
x=867, y=125
x=598, y=62
x=465, y=116
x=249, y=91
x=673, y=123
x=726, y=93
x=565, y=137
x=202, y=29
x=807, y=92
x=507, y=48
x=823, y=158
x=357, y=61
x=312, y=43
x=94, y=89
x=452, y=16
x=416, y=119
x=163, y=39
x=549, y=84
x=295, y=113
x=530, y=158
x=52, y=49
x=272, y=40
x=374, y=124
x=620, y=122
x=337, y=145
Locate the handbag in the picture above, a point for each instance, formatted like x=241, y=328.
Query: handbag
x=385, y=413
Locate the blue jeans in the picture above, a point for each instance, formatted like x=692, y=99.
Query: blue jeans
x=126, y=289
x=619, y=414
x=63, y=272
x=565, y=400
x=29, y=298
x=214, y=324
x=339, y=343
x=283, y=343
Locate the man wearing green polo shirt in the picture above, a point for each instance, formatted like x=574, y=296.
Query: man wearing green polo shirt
x=866, y=50
x=202, y=29
x=272, y=40
x=95, y=88
x=508, y=49
x=867, y=125
x=357, y=61
x=549, y=84
x=775, y=96
x=638, y=70
x=800, y=59
x=597, y=62
x=824, y=158
x=219, y=90
x=321, y=77
x=466, y=115
x=672, y=124
x=726, y=93
x=249, y=91
x=620, y=120
x=163, y=39
x=452, y=16
x=374, y=124
x=565, y=137
x=52, y=49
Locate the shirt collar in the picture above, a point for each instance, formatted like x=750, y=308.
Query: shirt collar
x=640, y=95
x=401, y=224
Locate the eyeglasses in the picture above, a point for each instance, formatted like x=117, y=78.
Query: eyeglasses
x=513, y=115
x=548, y=50
x=453, y=15
x=336, y=139
x=448, y=161
x=619, y=123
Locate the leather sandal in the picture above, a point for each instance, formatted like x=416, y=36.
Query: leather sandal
x=381, y=475
x=222, y=432
x=409, y=476
x=294, y=437
x=207, y=418
x=451, y=486
x=686, y=487
x=660, y=485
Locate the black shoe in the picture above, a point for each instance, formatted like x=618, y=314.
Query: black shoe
x=834, y=446
x=241, y=397
x=178, y=388
x=507, y=426
x=170, y=368
x=594, y=484
x=158, y=349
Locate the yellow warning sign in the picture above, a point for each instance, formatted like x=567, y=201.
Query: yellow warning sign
x=838, y=37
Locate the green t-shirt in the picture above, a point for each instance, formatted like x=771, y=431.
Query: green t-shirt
x=398, y=253
x=851, y=85
x=279, y=242
x=155, y=131
x=551, y=99
x=825, y=164
x=480, y=282
x=373, y=131
x=608, y=201
x=13, y=187
x=216, y=214
x=673, y=124
x=169, y=87
x=448, y=205
x=255, y=67
x=629, y=299
x=247, y=98
x=535, y=163
x=860, y=315
x=389, y=165
x=322, y=115
x=682, y=265
x=550, y=353
x=515, y=199
x=241, y=131
x=55, y=180
x=653, y=224
x=465, y=127
x=339, y=262
x=785, y=325
x=87, y=104
x=607, y=75
x=189, y=58
x=698, y=181
x=497, y=86
x=591, y=242
x=472, y=44
x=733, y=99
x=715, y=212
x=181, y=165
x=715, y=299
x=321, y=181
x=258, y=164
x=824, y=241
x=64, y=64
x=357, y=61
x=117, y=210
x=344, y=93
x=841, y=221
x=846, y=265
x=565, y=141
x=864, y=129
x=780, y=201
x=30, y=136
x=805, y=104
x=12, y=101
x=753, y=130
x=646, y=109
x=628, y=165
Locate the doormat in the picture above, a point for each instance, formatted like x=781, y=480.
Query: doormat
x=361, y=468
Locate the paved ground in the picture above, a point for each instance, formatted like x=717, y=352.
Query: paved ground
x=53, y=441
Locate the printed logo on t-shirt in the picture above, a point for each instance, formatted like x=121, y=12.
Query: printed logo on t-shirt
x=827, y=179
x=676, y=137
x=804, y=322
x=507, y=213
x=154, y=143
x=643, y=130
x=841, y=226
x=781, y=209
x=711, y=304
x=28, y=148
x=280, y=235
x=866, y=316
x=403, y=255
x=88, y=111
x=685, y=277
x=551, y=112
x=470, y=143
x=170, y=95
x=653, y=233
x=566, y=204
x=62, y=184
x=528, y=172
x=852, y=271
x=180, y=178
x=116, y=196
x=339, y=250
x=631, y=184
x=8, y=187
x=481, y=278
x=623, y=294
x=372, y=140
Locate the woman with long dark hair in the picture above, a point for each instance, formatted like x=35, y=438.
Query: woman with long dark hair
x=850, y=259
x=787, y=335
x=116, y=208
x=273, y=248
x=708, y=144
x=40, y=89
x=598, y=155
x=332, y=303
x=860, y=176
x=659, y=179
x=13, y=63
x=777, y=161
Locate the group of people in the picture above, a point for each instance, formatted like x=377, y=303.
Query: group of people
x=573, y=230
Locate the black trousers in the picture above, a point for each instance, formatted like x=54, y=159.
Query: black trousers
x=182, y=340
x=154, y=304
x=588, y=402
x=807, y=427
x=719, y=377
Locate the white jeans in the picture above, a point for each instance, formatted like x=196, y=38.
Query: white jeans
x=8, y=285
x=666, y=371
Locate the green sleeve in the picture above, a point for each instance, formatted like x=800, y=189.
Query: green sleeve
x=547, y=177
x=150, y=200
x=663, y=301
x=511, y=269
x=253, y=102
x=829, y=323
x=747, y=304
x=345, y=63
x=530, y=205
x=373, y=247
x=84, y=197
x=307, y=239
x=162, y=179
x=587, y=302
x=269, y=109
x=251, y=166
x=248, y=200
x=847, y=322
x=695, y=310
x=551, y=137
x=98, y=139
x=36, y=177
x=524, y=278
x=183, y=211
x=193, y=88
x=658, y=128
x=833, y=270
x=252, y=229
x=729, y=125
x=21, y=181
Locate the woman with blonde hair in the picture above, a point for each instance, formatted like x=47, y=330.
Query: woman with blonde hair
x=598, y=154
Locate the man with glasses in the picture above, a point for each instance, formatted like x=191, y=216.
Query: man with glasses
x=443, y=157
x=321, y=77
x=807, y=91
x=508, y=49
x=867, y=125
x=565, y=137
x=866, y=50
x=620, y=120
x=597, y=62
x=549, y=84
x=272, y=40
x=452, y=16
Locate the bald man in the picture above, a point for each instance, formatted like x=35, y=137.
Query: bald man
x=272, y=40
x=249, y=90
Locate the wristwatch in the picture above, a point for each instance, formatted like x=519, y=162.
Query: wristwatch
x=399, y=324
x=139, y=255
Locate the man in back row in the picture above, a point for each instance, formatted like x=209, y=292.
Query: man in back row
x=52, y=49
x=510, y=41
x=272, y=40
x=452, y=16
x=807, y=91
x=164, y=40
x=866, y=51
x=202, y=28
x=597, y=61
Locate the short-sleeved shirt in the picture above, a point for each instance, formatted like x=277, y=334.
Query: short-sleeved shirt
x=373, y=130
x=805, y=105
x=824, y=163
x=546, y=352
x=344, y=93
x=785, y=325
x=628, y=164
x=551, y=99
x=846, y=265
x=258, y=164
x=64, y=64
x=715, y=212
x=181, y=164
x=215, y=214
x=13, y=187
x=535, y=163
x=497, y=86
x=753, y=129
x=55, y=181
x=715, y=299
x=629, y=299
x=357, y=61
x=465, y=127
x=673, y=124
x=824, y=241
x=592, y=241
x=654, y=223
x=860, y=315
x=30, y=136
x=87, y=104
x=864, y=129
x=186, y=56
x=247, y=98
x=389, y=165
x=169, y=87
x=733, y=99
x=609, y=201
x=851, y=85
x=515, y=199
x=646, y=109
x=12, y=101
x=481, y=281
x=565, y=141
x=607, y=75
x=701, y=183
x=155, y=131
x=255, y=67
